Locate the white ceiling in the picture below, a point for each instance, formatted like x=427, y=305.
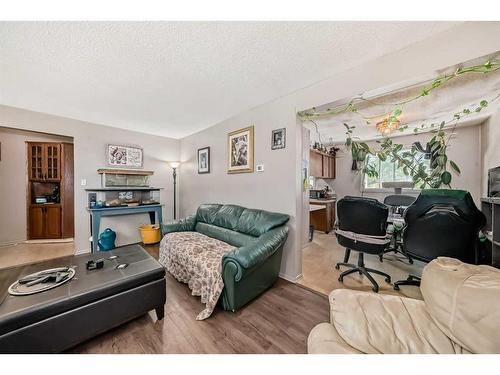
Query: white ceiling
x=465, y=91
x=177, y=78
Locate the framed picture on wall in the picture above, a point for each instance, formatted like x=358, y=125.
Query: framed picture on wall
x=124, y=156
x=278, y=139
x=204, y=160
x=240, y=148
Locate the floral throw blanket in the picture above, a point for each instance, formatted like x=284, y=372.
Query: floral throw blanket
x=195, y=259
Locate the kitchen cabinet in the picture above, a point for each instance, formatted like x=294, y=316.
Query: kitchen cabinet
x=321, y=165
x=44, y=161
x=50, y=191
x=36, y=226
x=45, y=221
x=323, y=220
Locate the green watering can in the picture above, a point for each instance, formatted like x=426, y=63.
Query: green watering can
x=107, y=240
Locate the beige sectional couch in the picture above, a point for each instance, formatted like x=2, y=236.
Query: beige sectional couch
x=460, y=313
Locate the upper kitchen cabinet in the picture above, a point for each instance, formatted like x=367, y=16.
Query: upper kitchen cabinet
x=44, y=161
x=322, y=165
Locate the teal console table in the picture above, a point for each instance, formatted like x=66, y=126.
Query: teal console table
x=154, y=211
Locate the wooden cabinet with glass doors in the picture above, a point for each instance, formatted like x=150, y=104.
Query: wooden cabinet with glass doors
x=50, y=193
x=44, y=161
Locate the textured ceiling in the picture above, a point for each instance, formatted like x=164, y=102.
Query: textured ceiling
x=465, y=91
x=177, y=78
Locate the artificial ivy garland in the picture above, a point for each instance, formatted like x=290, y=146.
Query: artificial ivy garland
x=409, y=161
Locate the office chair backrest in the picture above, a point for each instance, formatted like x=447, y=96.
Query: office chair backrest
x=399, y=200
x=442, y=222
x=363, y=216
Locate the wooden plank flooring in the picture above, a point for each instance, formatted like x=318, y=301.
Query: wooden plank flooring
x=278, y=321
x=319, y=273
x=28, y=253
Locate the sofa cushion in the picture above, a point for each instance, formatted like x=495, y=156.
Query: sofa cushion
x=206, y=212
x=258, y=222
x=229, y=236
x=464, y=301
x=228, y=216
x=324, y=339
x=375, y=323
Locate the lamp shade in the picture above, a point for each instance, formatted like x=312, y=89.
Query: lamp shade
x=174, y=164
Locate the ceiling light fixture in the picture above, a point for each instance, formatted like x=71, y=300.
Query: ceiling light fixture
x=387, y=126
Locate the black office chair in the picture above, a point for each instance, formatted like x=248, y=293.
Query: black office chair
x=441, y=222
x=397, y=203
x=361, y=226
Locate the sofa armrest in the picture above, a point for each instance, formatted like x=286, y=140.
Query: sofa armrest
x=183, y=225
x=258, y=251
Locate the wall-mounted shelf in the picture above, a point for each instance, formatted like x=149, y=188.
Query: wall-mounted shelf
x=135, y=172
x=124, y=188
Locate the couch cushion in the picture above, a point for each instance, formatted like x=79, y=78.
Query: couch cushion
x=206, y=212
x=324, y=339
x=464, y=301
x=229, y=236
x=258, y=222
x=228, y=216
x=385, y=324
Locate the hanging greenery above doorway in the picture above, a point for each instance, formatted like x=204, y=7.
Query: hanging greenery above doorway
x=410, y=161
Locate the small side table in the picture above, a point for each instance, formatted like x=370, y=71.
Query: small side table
x=154, y=210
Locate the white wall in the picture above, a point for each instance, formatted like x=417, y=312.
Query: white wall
x=273, y=190
x=279, y=187
x=13, y=181
x=490, y=144
x=89, y=150
x=464, y=149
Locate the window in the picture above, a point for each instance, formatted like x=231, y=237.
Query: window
x=387, y=172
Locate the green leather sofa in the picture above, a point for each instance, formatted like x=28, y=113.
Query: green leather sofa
x=258, y=236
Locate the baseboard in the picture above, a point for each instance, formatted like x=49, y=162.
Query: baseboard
x=55, y=240
x=11, y=243
x=288, y=278
x=81, y=252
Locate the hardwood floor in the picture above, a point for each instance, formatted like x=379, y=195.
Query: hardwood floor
x=27, y=253
x=278, y=321
x=319, y=273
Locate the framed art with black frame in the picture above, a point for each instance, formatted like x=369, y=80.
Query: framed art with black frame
x=278, y=139
x=204, y=160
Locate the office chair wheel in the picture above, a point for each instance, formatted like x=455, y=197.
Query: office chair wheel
x=381, y=257
x=396, y=287
x=375, y=289
x=388, y=280
x=410, y=260
x=337, y=267
x=341, y=279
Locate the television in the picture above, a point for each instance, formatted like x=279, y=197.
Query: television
x=494, y=182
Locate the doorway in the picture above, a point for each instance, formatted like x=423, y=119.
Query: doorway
x=37, y=188
x=330, y=178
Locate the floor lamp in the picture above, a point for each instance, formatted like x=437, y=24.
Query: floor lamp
x=174, y=165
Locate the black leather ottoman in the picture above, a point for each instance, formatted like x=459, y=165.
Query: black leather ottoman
x=91, y=303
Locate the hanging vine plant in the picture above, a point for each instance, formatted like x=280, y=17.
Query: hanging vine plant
x=409, y=161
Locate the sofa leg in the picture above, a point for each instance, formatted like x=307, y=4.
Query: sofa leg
x=160, y=312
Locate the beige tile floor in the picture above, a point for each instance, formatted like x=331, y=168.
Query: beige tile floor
x=25, y=253
x=319, y=273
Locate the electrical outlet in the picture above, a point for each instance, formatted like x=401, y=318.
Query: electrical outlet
x=83, y=182
x=260, y=168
